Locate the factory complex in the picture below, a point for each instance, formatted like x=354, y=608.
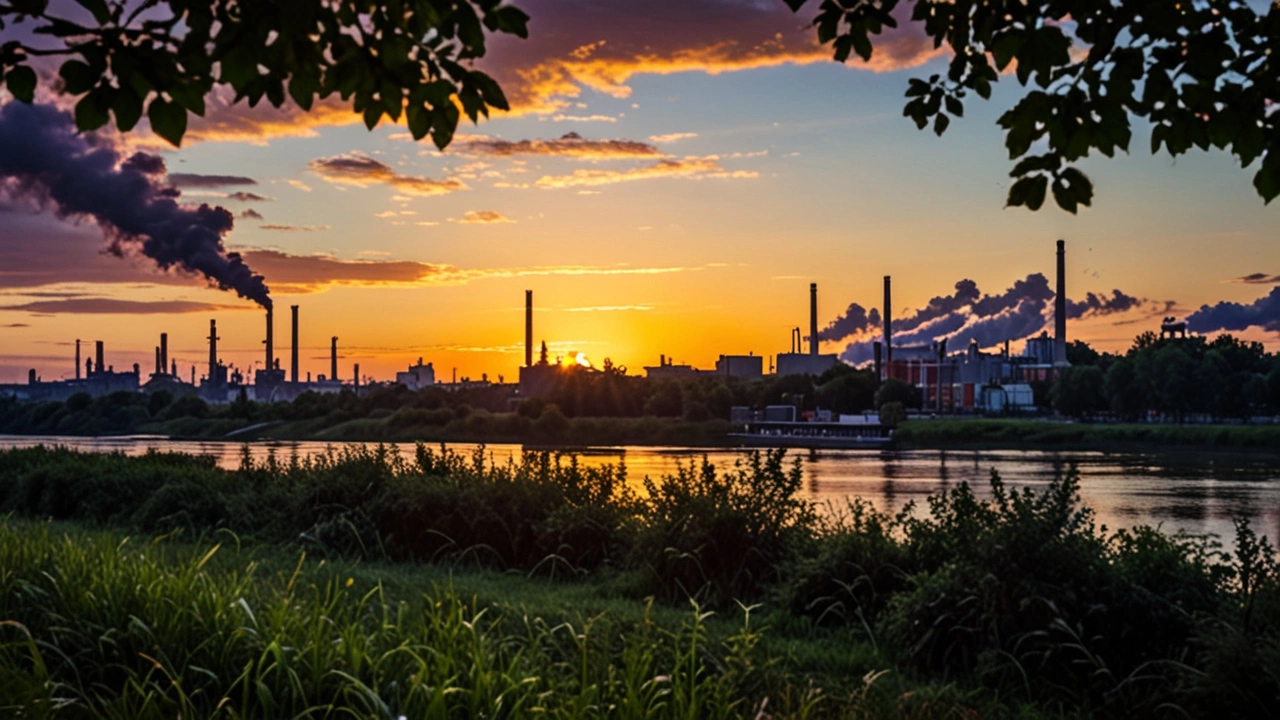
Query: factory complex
x=968, y=379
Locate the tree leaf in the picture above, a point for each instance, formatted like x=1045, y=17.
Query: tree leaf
x=302, y=88
x=127, y=107
x=99, y=9
x=168, y=120
x=77, y=77
x=21, y=81
x=90, y=114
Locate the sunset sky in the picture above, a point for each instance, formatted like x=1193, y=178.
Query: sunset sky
x=671, y=178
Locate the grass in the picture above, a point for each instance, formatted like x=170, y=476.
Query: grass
x=371, y=584
x=98, y=624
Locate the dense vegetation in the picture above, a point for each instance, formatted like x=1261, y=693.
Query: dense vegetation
x=1173, y=379
x=1014, y=606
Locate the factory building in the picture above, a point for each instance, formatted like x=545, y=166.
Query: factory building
x=811, y=363
x=972, y=380
x=666, y=369
x=99, y=379
x=417, y=376
x=739, y=366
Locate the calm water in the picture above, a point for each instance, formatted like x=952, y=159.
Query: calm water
x=1194, y=492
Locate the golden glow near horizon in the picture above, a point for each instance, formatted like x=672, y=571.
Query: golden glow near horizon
x=651, y=197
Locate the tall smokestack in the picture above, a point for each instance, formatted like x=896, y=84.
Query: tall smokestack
x=877, y=350
x=164, y=352
x=77, y=359
x=295, y=343
x=270, y=342
x=888, y=322
x=99, y=362
x=813, y=318
x=355, y=377
x=1060, y=309
x=213, y=351
x=333, y=358
x=528, y=328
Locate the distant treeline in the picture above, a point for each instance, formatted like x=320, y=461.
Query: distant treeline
x=583, y=407
x=1173, y=379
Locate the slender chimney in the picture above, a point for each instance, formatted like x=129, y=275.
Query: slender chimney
x=270, y=342
x=1060, y=309
x=295, y=343
x=213, y=351
x=813, y=319
x=164, y=352
x=528, y=328
x=355, y=378
x=888, y=323
x=99, y=362
x=333, y=358
x=174, y=368
x=31, y=376
x=77, y=359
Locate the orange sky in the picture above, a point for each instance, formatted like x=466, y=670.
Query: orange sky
x=668, y=183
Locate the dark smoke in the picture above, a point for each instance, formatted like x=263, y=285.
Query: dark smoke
x=43, y=158
x=856, y=319
x=968, y=316
x=1102, y=305
x=1263, y=312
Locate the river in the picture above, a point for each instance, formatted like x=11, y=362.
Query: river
x=1193, y=492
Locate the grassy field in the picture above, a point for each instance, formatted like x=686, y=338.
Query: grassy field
x=362, y=583
x=99, y=624
x=1017, y=434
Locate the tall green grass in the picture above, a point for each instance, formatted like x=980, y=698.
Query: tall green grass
x=97, y=626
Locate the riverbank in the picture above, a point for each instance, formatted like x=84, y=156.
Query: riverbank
x=1025, y=434
x=476, y=427
x=1014, y=607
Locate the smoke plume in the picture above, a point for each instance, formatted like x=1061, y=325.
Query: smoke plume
x=855, y=320
x=1102, y=304
x=44, y=159
x=969, y=316
x=1229, y=316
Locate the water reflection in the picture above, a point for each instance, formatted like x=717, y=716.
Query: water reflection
x=1197, y=493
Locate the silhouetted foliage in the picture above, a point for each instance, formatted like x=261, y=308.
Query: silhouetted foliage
x=1198, y=74
x=165, y=57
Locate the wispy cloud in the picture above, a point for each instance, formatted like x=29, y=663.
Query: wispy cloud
x=312, y=273
x=363, y=171
x=672, y=137
x=192, y=180
x=241, y=196
x=1257, y=279
x=608, y=308
x=250, y=214
x=568, y=145
x=294, y=228
x=691, y=168
x=112, y=306
x=584, y=118
x=484, y=217
x=299, y=185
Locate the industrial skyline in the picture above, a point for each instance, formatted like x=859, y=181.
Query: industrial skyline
x=655, y=204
